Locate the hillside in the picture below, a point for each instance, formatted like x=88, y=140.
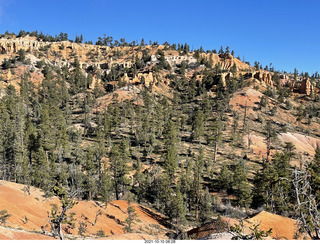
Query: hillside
x=183, y=135
x=29, y=217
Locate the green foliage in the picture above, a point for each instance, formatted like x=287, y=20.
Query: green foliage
x=82, y=229
x=197, y=125
x=100, y=233
x=21, y=55
x=263, y=102
x=4, y=215
x=197, y=180
x=132, y=215
x=225, y=178
x=314, y=171
x=271, y=186
x=6, y=63
x=60, y=215
x=171, y=161
x=119, y=156
x=214, y=136
x=255, y=232
x=58, y=133
x=241, y=186
x=175, y=207
x=205, y=210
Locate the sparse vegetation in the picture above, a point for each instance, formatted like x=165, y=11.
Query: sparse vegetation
x=4, y=215
x=179, y=130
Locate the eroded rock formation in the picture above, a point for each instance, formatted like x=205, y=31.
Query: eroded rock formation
x=226, y=61
x=306, y=87
x=263, y=76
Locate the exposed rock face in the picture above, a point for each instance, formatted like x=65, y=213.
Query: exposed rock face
x=64, y=48
x=284, y=76
x=148, y=78
x=264, y=76
x=226, y=61
x=173, y=60
x=306, y=87
x=93, y=58
x=225, y=77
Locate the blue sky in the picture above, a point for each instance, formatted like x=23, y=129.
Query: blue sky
x=284, y=33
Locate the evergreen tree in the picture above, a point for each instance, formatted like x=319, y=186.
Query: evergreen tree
x=241, y=186
x=225, y=178
x=185, y=184
x=105, y=186
x=314, y=171
x=264, y=186
x=91, y=174
x=119, y=157
x=197, y=181
x=175, y=209
x=214, y=136
x=131, y=217
x=60, y=215
x=171, y=161
x=270, y=134
x=271, y=186
x=205, y=211
x=197, y=125
x=41, y=171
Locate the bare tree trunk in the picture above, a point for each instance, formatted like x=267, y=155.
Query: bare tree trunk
x=308, y=211
x=245, y=116
x=215, y=151
x=60, y=233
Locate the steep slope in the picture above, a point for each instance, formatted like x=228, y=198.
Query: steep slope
x=29, y=212
x=282, y=228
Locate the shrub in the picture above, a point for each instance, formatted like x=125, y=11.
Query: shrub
x=4, y=215
x=6, y=64
x=100, y=233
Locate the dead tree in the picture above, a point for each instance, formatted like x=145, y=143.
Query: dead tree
x=59, y=215
x=98, y=213
x=307, y=205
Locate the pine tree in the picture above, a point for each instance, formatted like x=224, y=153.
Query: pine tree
x=91, y=174
x=175, y=208
x=241, y=186
x=60, y=215
x=282, y=186
x=170, y=156
x=270, y=134
x=105, y=186
x=171, y=161
x=41, y=171
x=197, y=125
x=170, y=134
x=214, y=136
x=314, y=171
x=264, y=186
x=119, y=157
x=46, y=133
x=225, y=178
x=197, y=180
x=132, y=215
x=185, y=184
x=205, y=211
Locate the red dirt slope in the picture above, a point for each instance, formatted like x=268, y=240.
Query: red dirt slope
x=112, y=221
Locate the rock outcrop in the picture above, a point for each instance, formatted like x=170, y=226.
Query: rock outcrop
x=226, y=61
x=306, y=87
x=264, y=76
x=58, y=50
